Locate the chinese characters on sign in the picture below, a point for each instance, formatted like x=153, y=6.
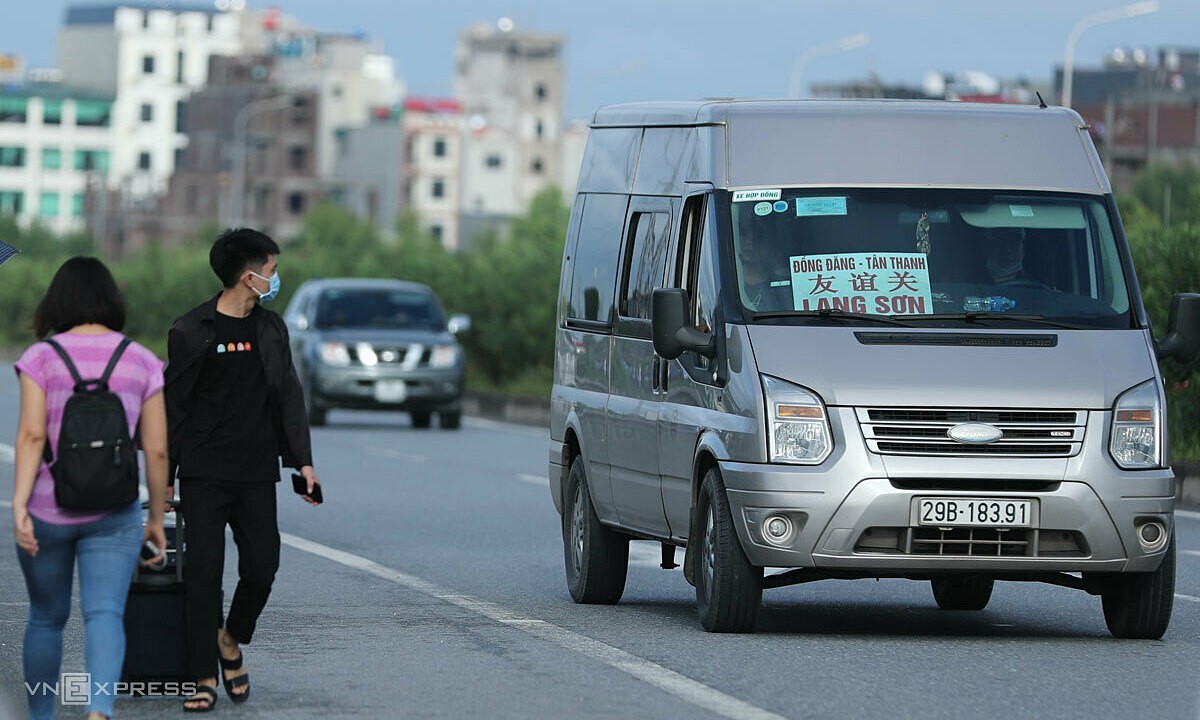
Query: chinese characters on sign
x=875, y=283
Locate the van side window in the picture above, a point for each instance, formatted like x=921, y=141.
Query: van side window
x=697, y=261
x=594, y=273
x=645, y=263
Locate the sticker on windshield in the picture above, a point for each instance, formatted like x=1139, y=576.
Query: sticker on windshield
x=818, y=206
x=873, y=283
x=1021, y=210
x=756, y=195
x=762, y=208
x=781, y=206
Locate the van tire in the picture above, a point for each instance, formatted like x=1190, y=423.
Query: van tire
x=421, y=419
x=596, y=557
x=450, y=420
x=317, y=415
x=962, y=592
x=1138, y=605
x=728, y=587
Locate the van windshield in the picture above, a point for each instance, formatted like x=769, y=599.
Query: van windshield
x=929, y=255
x=376, y=308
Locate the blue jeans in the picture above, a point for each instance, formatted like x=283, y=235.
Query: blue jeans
x=107, y=550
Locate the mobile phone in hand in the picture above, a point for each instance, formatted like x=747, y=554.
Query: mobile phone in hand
x=300, y=485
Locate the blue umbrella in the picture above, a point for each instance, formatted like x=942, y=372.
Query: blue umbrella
x=7, y=252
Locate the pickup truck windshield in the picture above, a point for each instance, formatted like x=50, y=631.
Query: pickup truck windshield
x=929, y=256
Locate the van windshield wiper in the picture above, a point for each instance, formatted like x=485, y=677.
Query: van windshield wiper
x=829, y=314
x=974, y=317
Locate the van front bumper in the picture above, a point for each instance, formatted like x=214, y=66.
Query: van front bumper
x=866, y=524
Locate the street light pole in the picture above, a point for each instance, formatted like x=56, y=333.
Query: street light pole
x=850, y=42
x=1100, y=18
x=240, y=123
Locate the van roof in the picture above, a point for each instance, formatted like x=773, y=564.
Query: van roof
x=887, y=142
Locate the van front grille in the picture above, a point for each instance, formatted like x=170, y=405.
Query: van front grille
x=972, y=542
x=922, y=431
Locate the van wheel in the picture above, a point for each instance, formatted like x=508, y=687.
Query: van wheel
x=728, y=587
x=316, y=413
x=449, y=420
x=962, y=593
x=597, y=557
x=421, y=419
x=1138, y=605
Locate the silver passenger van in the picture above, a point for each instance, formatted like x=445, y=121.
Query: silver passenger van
x=859, y=339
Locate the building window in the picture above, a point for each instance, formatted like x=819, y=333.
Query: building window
x=439, y=147
x=145, y=19
x=536, y=166
x=48, y=205
x=493, y=161
x=179, y=67
x=296, y=203
x=77, y=205
x=13, y=109
x=147, y=64
x=147, y=112
x=51, y=158
x=539, y=91
x=208, y=27
x=436, y=231
x=143, y=161
x=52, y=112
x=13, y=157
x=91, y=160
x=179, y=152
x=93, y=113
x=11, y=202
x=438, y=189
x=298, y=158
x=540, y=130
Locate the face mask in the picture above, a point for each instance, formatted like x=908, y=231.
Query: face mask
x=272, y=286
x=998, y=271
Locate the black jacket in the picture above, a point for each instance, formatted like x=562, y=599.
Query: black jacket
x=187, y=343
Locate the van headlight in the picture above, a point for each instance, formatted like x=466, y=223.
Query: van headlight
x=797, y=425
x=1137, y=429
x=335, y=353
x=443, y=356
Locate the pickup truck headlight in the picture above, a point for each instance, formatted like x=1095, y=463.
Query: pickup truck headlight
x=1137, y=430
x=443, y=356
x=335, y=353
x=798, y=426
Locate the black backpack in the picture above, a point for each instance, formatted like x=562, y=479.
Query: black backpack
x=97, y=461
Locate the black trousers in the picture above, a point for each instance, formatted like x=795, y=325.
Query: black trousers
x=249, y=510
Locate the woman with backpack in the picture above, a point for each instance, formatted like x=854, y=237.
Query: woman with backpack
x=75, y=495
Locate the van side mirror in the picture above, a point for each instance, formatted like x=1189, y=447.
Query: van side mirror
x=672, y=333
x=1182, y=340
x=458, y=324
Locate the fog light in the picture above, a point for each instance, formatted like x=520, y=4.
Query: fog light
x=777, y=528
x=1151, y=534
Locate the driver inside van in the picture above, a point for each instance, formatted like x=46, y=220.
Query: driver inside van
x=764, y=284
x=1005, y=251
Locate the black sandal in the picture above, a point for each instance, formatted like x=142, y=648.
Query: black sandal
x=204, y=694
x=236, y=682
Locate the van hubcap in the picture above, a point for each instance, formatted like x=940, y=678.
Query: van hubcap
x=577, y=529
x=709, y=552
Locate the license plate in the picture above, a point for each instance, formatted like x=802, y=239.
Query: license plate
x=391, y=391
x=974, y=512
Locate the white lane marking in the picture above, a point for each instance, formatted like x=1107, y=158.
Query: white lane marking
x=1191, y=552
x=1189, y=514
x=515, y=428
x=397, y=455
x=644, y=553
x=669, y=681
x=540, y=480
x=1189, y=598
x=5, y=503
x=7, y=453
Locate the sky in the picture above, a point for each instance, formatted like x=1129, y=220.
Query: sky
x=631, y=50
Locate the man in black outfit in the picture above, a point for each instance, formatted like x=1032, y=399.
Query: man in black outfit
x=234, y=407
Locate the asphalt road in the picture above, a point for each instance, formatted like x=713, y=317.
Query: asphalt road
x=430, y=584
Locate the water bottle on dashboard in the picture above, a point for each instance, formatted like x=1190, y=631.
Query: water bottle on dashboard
x=991, y=303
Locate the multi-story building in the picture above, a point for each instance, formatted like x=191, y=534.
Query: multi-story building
x=433, y=155
x=54, y=144
x=1141, y=111
x=510, y=85
x=251, y=156
x=149, y=58
x=368, y=171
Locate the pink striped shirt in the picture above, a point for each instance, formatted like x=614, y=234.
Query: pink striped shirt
x=137, y=377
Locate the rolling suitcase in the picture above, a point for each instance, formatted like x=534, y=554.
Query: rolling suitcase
x=156, y=619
